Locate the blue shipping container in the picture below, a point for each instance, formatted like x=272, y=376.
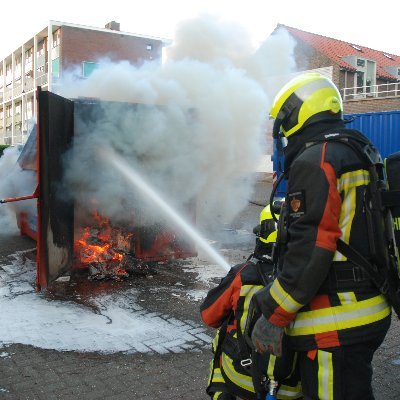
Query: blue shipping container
x=382, y=128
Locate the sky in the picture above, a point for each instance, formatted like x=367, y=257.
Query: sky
x=344, y=20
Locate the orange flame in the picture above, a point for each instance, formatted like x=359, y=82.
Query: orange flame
x=110, y=247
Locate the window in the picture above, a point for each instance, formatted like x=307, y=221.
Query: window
x=56, y=38
x=360, y=62
x=149, y=47
x=18, y=108
x=29, y=107
x=88, y=67
x=28, y=55
x=55, y=67
x=360, y=81
x=40, y=49
x=18, y=68
x=8, y=74
x=365, y=76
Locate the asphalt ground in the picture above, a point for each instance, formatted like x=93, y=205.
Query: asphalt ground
x=28, y=372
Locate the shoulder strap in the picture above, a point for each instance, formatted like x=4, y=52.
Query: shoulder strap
x=222, y=334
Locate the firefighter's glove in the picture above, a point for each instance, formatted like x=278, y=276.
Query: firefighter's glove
x=267, y=337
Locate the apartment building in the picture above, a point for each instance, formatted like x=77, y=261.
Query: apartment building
x=42, y=59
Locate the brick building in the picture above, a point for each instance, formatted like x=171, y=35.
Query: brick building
x=42, y=59
x=369, y=80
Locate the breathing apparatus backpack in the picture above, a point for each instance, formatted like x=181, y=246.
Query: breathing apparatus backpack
x=382, y=209
x=381, y=202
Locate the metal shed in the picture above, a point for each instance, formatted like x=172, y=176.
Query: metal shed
x=382, y=128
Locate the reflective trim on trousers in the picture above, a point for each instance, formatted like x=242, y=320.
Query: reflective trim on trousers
x=325, y=375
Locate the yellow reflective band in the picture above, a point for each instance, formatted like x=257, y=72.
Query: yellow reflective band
x=215, y=342
x=340, y=317
x=243, y=381
x=346, y=185
x=217, y=376
x=271, y=366
x=247, y=291
x=325, y=375
x=286, y=392
x=270, y=239
x=287, y=302
x=349, y=209
x=352, y=179
x=347, y=298
x=210, y=374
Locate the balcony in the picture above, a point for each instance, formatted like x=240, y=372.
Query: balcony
x=17, y=118
x=41, y=80
x=8, y=94
x=386, y=90
x=28, y=84
x=17, y=91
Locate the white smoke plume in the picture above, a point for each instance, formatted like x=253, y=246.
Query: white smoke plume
x=198, y=131
x=14, y=182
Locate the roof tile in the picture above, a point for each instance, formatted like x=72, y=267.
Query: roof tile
x=337, y=49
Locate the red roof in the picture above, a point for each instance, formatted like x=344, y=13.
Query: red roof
x=337, y=49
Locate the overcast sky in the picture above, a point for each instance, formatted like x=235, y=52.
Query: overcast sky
x=352, y=21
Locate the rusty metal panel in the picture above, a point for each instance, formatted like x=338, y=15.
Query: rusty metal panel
x=55, y=216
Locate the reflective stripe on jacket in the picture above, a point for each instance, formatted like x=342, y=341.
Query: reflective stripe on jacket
x=324, y=203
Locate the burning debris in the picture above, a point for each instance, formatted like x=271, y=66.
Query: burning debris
x=104, y=250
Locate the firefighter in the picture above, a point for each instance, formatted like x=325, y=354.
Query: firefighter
x=332, y=313
x=265, y=233
x=235, y=372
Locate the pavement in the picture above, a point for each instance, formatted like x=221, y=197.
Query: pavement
x=159, y=367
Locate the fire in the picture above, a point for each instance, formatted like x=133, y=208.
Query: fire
x=94, y=253
x=103, y=248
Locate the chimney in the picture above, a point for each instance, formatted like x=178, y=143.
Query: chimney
x=114, y=26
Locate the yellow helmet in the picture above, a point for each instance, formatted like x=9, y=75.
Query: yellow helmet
x=266, y=234
x=267, y=226
x=306, y=99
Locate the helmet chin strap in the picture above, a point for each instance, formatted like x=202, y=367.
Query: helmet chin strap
x=277, y=124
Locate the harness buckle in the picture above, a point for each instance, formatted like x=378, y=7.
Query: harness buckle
x=246, y=362
x=358, y=274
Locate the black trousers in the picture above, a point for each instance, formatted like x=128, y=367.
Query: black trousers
x=341, y=373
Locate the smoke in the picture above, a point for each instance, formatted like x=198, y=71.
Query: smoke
x=14, y=182
x=195, y=126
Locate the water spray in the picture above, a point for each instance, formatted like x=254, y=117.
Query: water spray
x=169, y=212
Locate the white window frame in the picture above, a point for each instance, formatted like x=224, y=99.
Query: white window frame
x=365, y=88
